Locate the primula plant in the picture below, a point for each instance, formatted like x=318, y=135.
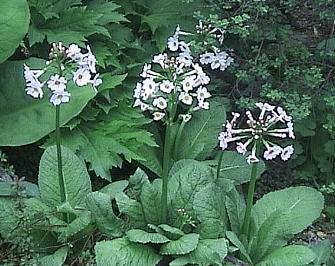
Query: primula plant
x=129, y=108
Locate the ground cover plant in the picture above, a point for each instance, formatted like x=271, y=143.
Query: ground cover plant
x=156, y=126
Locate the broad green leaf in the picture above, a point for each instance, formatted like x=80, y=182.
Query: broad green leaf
x=237, y=243
x=293, y=255
x=209, y=209
x=151, y=201
x=187, y=178
x=322, y=250
x=76, y=179
x=132, y=209
x=77, y=225
x=122, y=252
x=208, y=252
x=301, y=206
x=56, y=259
x=269, y=236
x=35, y=116
x=101, y=207
x=234, y=167
x=113, y=188
x=199, y=136
x=8, y=188
x=140, y=236
x=172, y=232
x=14, y=14
x=235, y=207
x=183, y=245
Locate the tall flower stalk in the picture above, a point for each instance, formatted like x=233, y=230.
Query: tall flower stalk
x=64, y=63
x=272, y=123
x=174, y=80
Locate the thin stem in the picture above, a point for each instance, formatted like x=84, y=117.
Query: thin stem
x=177, y=141
x=166, y=168
x=59, y=159
x=219, y=165
x=251, y=191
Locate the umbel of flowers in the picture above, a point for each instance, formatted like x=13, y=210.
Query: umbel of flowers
x=64, y=64
x=272, y=123
x=172, y=79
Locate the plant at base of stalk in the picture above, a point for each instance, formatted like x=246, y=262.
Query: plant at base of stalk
x=172, y=79
x=272, y=123
x=63, y=62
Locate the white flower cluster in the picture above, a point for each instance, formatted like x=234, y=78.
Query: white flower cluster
x=175, y=79
x=217, y=60
x=260, y=131
x=83, y=73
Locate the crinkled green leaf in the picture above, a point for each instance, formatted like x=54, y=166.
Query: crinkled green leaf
x=8, y=188
x=208, y=252
x=122, y=252
x=235, y=207
x=209, y=209
x=301, y=206
x=183, y=245
x=101, y=207
x=14, y=14
x=151, y=201
x=56, y=259
x=113, y=188
x=293, y=255
x=237, y=243
x=200, y=134
x=131, y=208
x=322, y=250
x=77, y=225
x=269, y=236
x=140, y=236
x=190, y=177
x=234, y=167
x=76, y=179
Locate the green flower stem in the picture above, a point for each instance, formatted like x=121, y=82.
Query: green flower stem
x=59, y=160
x=166, y=167
x=178, y=137
x=251, y=191
x=219, y=165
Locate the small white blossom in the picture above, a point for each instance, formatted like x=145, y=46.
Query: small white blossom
x=31, y=75
x=74, y=52
x=206, y=58
x=82, y=77
x=186, y=117
x=57, y=83
x=160, y=59
x=166, y=86
x=59, y=97
x=185, y=98
x=160, y=103
x=34, y=89
x=158, y=116
x=203, y=105
x=202, y=94
x=272, y=152
x=287, y=152
x=173, y=44
x=188, y=83
x=138, y=90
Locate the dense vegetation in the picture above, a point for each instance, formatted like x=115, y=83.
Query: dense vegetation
x=126, y=101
